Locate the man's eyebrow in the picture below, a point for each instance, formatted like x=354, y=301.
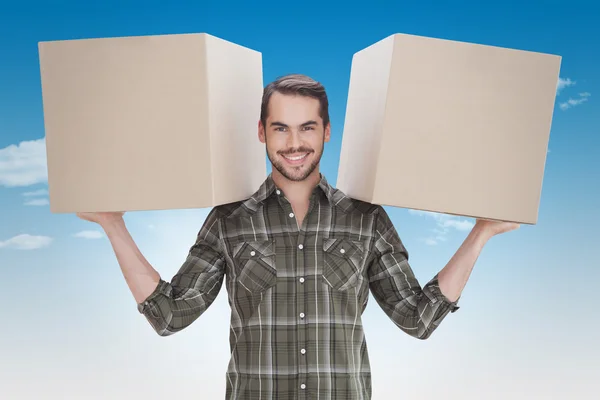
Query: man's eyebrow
x=277, y=123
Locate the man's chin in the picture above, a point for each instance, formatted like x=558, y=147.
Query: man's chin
x=294, y=173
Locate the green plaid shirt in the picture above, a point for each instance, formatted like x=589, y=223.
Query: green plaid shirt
x=297, y=292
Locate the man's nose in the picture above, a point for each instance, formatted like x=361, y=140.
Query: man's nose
x=294, y=141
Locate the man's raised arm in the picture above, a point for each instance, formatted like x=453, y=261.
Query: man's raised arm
x=416, y=310
x=168, y=306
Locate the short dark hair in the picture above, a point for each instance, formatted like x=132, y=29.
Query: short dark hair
x=296, y=84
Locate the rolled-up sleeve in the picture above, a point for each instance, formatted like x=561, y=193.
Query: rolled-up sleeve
x=416, y=310
x=174, y=305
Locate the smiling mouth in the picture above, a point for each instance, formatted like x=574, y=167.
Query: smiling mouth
x=296, y=158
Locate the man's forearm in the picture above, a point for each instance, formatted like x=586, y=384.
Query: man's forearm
x=454, y=276
x=140, y=276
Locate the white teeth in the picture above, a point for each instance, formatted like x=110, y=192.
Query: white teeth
x=296, y=158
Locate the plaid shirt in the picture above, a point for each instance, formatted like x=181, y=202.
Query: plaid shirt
x=297, y=292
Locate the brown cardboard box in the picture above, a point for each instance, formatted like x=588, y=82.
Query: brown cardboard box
x=450, y=127
x=151, y=122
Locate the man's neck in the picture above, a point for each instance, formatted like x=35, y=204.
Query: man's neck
x=297, y=193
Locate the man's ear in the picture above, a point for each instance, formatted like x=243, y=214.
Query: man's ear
x=261, y=132
x=327, y=132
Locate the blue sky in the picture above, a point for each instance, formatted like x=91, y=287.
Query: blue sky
x=529, y=315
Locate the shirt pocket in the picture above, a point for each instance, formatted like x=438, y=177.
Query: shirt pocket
x=342, y=262
x=254, y=262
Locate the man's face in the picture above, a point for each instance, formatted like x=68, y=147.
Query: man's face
x=294, y=135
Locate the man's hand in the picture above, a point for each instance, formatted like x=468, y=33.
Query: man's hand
x=493, y=228
x=101, y=217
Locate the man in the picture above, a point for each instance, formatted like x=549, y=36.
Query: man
x=299, y=259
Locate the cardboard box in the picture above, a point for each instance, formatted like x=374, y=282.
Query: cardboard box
x=449, y=127
x=151, y=122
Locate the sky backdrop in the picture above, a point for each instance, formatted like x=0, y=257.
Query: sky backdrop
x=528, y=323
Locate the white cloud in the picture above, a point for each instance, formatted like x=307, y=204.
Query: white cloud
x=563, y=83
x=583, y=97
x=37, y=202
x=460, y=225
x=565, y=105
x=23, y=164
x=89, y=234
x=422, y=213
x=444, y=223
x=26, y=242
x=41, y=192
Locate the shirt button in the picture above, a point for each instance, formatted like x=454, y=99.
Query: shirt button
x=303, y=386
x=301, y=315
x=342, y=251
x=291, y=215
x=278, y=191
x=300, y=246
x=252, y=253
x=303, y=351
x=301, y=280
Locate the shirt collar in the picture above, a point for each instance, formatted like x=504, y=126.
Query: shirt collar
x=268, y=187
